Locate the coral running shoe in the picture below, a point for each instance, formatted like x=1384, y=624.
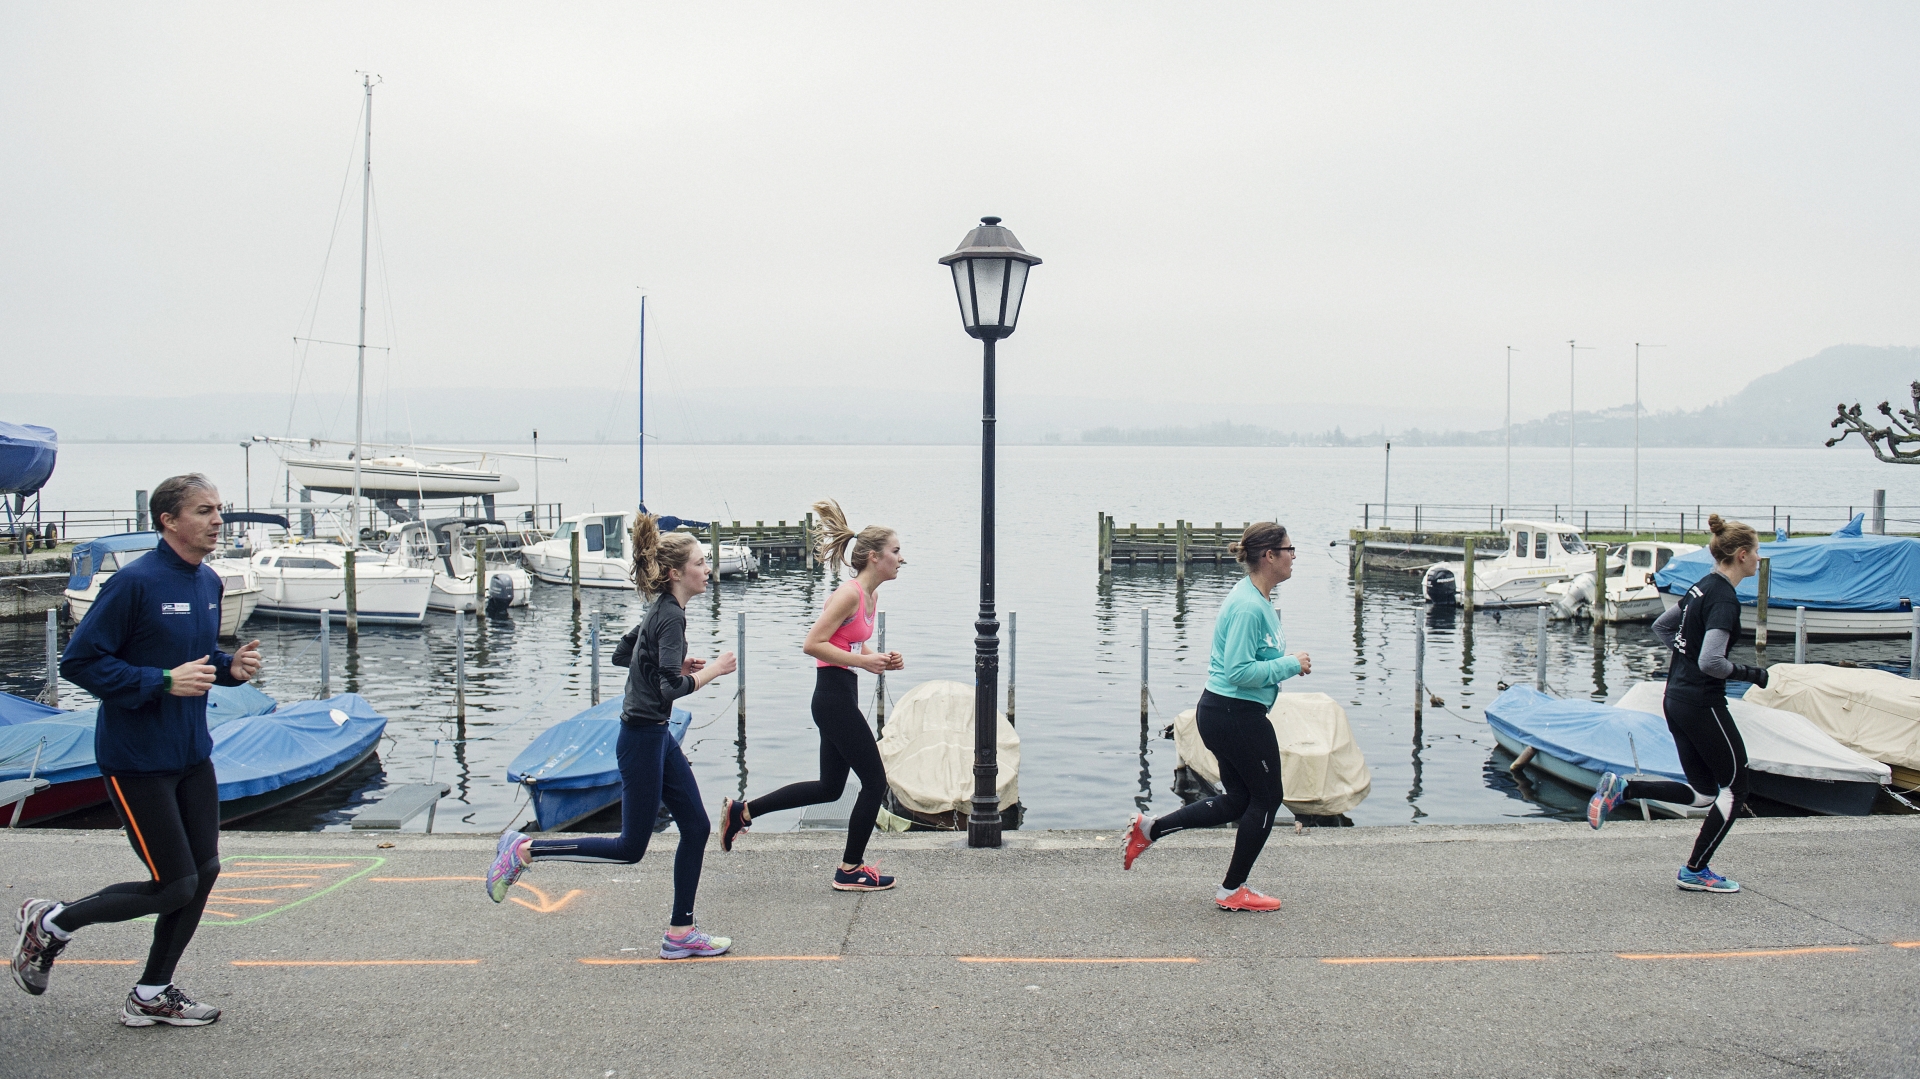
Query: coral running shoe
x=35, y=951
x=1244, y=898
x=506, y=867
x=171, y=1007
x=696, y=944
x=1139, y=838
x=1605, y=797
x=1706, y=880
x=733, y=821
x=867, y=878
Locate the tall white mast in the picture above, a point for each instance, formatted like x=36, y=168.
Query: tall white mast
x=1508, y=508
x=360, y=379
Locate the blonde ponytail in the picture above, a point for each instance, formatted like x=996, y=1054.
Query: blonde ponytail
x=656, y=556
x=836, y=536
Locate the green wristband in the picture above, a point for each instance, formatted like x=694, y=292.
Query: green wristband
x=166, y=681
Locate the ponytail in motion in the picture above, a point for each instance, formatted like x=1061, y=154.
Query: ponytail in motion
x=655, y=556
x=836, y=536
x=1254, y=543
x=1730, y=538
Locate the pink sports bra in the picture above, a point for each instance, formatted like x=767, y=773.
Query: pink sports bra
x=853, y=631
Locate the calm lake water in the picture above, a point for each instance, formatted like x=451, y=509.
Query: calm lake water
x=1087, y=762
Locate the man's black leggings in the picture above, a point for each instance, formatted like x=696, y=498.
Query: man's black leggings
x=846, y=744
x=1241, y=737
x=1715, y=761
x=173, y=823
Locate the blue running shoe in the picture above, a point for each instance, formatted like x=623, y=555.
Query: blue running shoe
x=1605, y=797
x=696, y=944
x=867, y=878
x=506, y=867
x=1706, y=880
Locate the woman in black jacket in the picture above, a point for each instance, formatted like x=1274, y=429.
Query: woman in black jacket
x=653, y=770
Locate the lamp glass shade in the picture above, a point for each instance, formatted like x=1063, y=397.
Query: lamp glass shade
x=990, y=279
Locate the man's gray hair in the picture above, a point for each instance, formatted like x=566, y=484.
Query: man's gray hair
x=173, y=491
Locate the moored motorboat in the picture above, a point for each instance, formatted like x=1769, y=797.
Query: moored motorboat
x=265, y=761
x=1536, y=554
x=445, y=548
x=299, y=580
x=1574, y=741
x=1852, y=585
x=1632, y=595
x=1872, y=712
x=570, y=770
x=605, y=558
x=96, y=560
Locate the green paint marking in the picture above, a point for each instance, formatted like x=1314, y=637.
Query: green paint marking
x=368, y=863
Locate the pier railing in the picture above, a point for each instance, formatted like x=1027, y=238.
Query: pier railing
x=1663, y=520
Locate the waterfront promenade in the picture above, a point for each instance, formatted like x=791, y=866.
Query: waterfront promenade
x=1536, y=949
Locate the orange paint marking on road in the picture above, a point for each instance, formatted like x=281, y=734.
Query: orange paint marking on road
x=545, y=905
x=1358, y=960
x=243, y=863
x=262, y=888
x=238, y=899
x=1906, y=943
x=1749, y=954
x=418, y=880
x=601, y=961
x=1074, y=959
x=356, y=962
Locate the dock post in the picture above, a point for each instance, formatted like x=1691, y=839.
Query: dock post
x=460, y=665
x=52, y=695
x=353, y=599
x=1799, y=634
x=1419, y=666
x=740, y=658
x=326, y=660
x=806, y=538
x=1466, y=593
x=1880, y=512
x=1360, y=567
x=880, y=681
x=1143, y=663
x=1599, y=583
x=1540, y=650
x=1013, y=659
x=1180, y=550
x=1913, y=647
x=1760, y=608
x=139, y=511
x=573, y=567
x=479, y=574
x=593, y=646
x=714, y=535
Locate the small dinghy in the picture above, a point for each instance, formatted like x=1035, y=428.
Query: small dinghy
x=1792, y=760
x=1575, y=741
x=928, y=752
x=1323, y=774
x=265, y=761
x=1872, y=712
x=570, y=771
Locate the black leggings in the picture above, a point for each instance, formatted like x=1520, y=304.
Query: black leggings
x=173, y=823
x=1715, y=760
x=846, y=743
x=1241, y=738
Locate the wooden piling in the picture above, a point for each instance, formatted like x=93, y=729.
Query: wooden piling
x=806, y=537
x=1762, y=588
x=1180, y=550
x=353, y=600
x=1599, y=583
x=740, y=660
x=573, y=566
x=713, y=530
x=479, y=574
x=460, y=665
x=1360, y=566
x=1466, y=592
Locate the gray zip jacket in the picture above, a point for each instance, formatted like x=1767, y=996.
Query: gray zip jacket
x=652, y=653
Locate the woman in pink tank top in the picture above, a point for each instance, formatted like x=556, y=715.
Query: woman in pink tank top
x=838, y=644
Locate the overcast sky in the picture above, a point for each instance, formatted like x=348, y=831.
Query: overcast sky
x=1265, y=202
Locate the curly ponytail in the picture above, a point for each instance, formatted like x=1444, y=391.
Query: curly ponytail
x=656, y=556
x=1730, y=538
x=836, y=536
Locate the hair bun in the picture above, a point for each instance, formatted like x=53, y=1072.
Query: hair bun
x=1715, y=525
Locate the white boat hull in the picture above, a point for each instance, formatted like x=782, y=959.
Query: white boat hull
x=427, y=481
x=451, y=593
x=237, y=601
x=386, y=594
x=552, y=561
x=1821, y=623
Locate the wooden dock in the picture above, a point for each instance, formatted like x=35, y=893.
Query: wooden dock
x=777, y=545
x=1179, y=545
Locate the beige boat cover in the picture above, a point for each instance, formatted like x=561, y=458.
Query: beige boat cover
x=1872, y=711
x=1778, y=741
x=1322, y=771
x=928, y=749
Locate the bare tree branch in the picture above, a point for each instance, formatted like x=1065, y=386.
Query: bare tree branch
x=1901, y=435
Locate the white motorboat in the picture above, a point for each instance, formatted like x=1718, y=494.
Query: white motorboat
x=399, y=477
x=299, y=580
x=605, y=558
x=1537, y=554
x=1631, y=594
x=446, y=548
x=96, y=560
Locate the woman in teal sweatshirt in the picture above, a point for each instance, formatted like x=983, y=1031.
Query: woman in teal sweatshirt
x=1244, y=672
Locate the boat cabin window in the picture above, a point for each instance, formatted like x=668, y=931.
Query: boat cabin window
x=1666, y=556
x=1519, y=545
x=1539, y=544
x=120, y=559
x=1571, y=543
x=266, y=560
x=1642, y=559
x=596, y=536
x=614, y=546
x=306, y=563
x=565, y=530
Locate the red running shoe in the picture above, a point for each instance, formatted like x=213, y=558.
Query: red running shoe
x=1137, y=839
x=1245, y=898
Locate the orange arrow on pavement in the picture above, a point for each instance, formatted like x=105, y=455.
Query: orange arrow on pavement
x=546, y=905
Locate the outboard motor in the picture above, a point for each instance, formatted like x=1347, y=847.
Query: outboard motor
x=1577, y=601
x=1439, y=587
x=499, y=594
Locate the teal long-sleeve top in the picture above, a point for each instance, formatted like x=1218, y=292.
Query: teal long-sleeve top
x=1249, y=659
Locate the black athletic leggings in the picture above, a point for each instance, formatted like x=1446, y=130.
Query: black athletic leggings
x=173, y=823
x=1715, y=760
x=846, y=743
x=1241, y=738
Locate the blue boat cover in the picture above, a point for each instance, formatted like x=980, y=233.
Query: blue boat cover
x=69, y=750
x=21, y=710
x=27, y=454
x=227, y=703
x=579, y=752
x=1593, y=736
x=256, y=754
x=89, y=555
x=1842, y=572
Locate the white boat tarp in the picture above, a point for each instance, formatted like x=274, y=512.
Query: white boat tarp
x=1778, y=741
x=1322, y=771
x=928, y=750
x=1872, y=711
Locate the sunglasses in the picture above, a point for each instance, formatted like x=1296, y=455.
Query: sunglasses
x=1288, y=550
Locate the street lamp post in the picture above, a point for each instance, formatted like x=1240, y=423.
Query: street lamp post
x=989, y=278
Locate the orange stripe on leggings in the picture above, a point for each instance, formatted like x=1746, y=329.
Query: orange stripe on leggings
x=127, y=810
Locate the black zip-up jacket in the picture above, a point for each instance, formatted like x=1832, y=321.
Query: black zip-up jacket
x=150, y=617
x=652, y=653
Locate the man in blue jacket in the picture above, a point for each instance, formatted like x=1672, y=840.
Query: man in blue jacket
x=149, y=650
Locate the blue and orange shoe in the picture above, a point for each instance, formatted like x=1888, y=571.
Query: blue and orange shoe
x=1706, y=880
x=867, y=878
x=1139, y=838
x=1606, y=796
x=733, y=821
x=506, y=867
x=694, y=945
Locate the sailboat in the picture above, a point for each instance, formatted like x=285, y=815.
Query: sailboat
x=605, y=561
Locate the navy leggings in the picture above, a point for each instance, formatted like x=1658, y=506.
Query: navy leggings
x=846, y=744
x=1241, y=738
x=1714, y=758
x=652, y=771
x=173, y=823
